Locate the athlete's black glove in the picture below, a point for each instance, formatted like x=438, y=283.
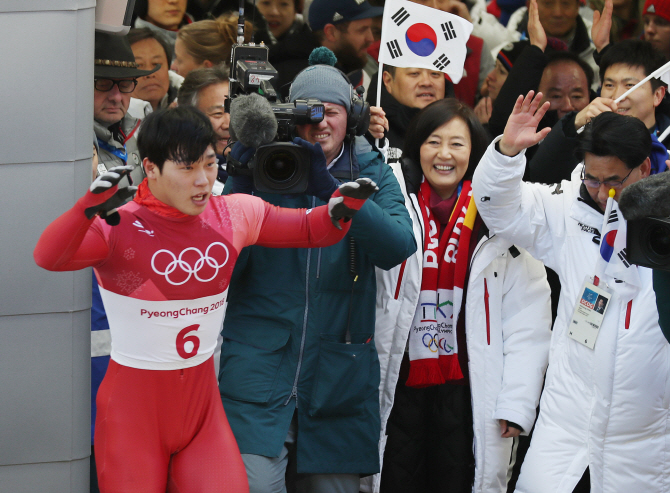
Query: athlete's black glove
x=349, y=198
x=104, y=183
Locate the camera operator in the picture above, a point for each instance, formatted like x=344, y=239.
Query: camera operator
x=298, y=357
x=646, y=208
x=605, y=402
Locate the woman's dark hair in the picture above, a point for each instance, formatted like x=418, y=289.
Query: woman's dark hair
x=180, y=134
x=434, y=116
x=611, y=134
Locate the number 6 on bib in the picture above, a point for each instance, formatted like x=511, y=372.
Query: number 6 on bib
x=182, y=339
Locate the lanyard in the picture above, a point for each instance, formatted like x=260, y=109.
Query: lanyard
x=121, y=154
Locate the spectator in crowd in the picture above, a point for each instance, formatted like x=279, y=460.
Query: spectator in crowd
x=151, y=51
x=622, y=65
x=626, y=18
x=116, y=75
x=602, y=405
x=564, y=76
x=202, y=10
x=343, y=26
x=207, y=90
x=404, y=92
x=207, y=43
x=280, y=16
x=656, y=16
x=495, y=331
x=163, y=16
x=478, y=61
x=561, y=20
x=496, y=78
x=299, y=369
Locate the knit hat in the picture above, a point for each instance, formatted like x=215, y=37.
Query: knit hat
x=323, y=82
x=660, y=8
x=510, y=52
x=322, y=12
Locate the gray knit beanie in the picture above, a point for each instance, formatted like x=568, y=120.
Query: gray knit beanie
x=323, y=82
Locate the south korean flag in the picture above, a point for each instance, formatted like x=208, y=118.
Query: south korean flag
x=417, y=36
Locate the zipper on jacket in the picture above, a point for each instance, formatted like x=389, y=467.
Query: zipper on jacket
x=486, y=307
x=629, y=308
x=402, y=272
x=318, y=265
x=294, y=390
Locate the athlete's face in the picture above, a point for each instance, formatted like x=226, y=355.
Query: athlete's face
x=185, y=186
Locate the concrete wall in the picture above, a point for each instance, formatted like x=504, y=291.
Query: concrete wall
x=46, y=94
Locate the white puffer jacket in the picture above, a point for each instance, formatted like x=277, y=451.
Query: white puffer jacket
x=507, y=350
x=608, y=407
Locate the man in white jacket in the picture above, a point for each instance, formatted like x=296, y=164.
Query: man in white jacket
x=606, y=407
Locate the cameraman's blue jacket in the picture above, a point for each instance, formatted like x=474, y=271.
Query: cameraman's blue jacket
x=284, y=333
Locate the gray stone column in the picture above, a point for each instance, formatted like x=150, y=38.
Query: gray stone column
x=46, y=112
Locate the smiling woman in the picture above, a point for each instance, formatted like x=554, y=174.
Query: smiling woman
x=447, y=309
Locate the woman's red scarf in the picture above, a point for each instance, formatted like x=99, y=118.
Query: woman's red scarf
x=433, y=350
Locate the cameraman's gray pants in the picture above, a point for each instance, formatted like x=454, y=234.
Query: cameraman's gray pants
x=267, y=474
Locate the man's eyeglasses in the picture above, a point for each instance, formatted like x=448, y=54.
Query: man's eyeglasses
x=106, y=85
x=608, y=183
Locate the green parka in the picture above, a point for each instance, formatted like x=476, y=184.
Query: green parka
x=285, y=328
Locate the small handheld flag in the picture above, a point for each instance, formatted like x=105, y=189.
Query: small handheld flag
x=612, y=261
x=417, y=36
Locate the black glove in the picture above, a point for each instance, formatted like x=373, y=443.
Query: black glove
x=104, y=183
x=349, y=198
x=321, y=182
x=239, y=157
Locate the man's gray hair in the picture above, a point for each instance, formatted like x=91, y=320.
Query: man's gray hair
x=199, y=79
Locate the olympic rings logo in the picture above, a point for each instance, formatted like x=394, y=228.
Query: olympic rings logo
x=179, y=262
x=433, y=343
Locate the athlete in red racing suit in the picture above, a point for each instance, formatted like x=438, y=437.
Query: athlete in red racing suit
x=164, y=277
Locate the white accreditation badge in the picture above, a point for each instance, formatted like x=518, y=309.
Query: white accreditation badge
x=589, y=313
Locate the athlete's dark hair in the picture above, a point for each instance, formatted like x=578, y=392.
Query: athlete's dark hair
x=562, y=56
x=179, y=134
x=611, y=134
x=434, y=116
x=634, y=53
x=136, y=35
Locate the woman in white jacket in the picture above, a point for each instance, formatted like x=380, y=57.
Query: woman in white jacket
x=484, y=325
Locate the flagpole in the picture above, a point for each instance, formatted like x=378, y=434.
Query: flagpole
x=608, y=211
x=379, y=92
x=655, y=73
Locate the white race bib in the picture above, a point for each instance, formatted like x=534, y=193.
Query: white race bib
x=163, y=335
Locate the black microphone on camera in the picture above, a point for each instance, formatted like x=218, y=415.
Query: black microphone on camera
x=646, y=207
x=649, y=197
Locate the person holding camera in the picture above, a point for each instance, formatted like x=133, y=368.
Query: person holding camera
x=605, y=405
x=299, y=369
x=163, y=262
